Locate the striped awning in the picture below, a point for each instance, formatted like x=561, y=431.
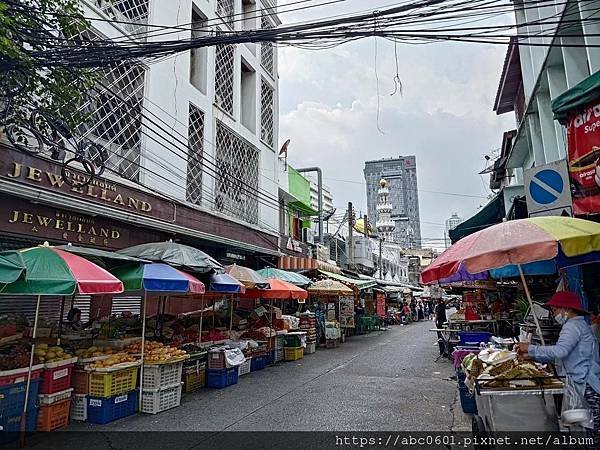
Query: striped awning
x=297, y=263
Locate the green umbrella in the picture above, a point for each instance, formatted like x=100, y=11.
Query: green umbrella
x=12, y=266
x=284, y=275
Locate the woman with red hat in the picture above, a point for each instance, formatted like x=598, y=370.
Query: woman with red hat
x=576, y=350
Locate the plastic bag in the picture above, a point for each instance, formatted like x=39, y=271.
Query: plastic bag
x=575, y=409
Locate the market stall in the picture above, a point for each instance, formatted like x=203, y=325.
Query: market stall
x=326, y=298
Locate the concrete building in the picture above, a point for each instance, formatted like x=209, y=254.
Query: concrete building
x=401, y=175
x=385, y=225
x=451, y=223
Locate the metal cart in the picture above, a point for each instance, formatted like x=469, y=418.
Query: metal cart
x=523, y=409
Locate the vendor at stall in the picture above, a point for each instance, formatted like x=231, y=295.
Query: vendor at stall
x=576, y=351
x=74, y=322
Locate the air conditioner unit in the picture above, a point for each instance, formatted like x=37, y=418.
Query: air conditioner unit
x=308, y=236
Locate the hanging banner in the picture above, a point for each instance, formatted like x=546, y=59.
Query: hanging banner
x=583, y=140
x=347, y=312
x=381, y=304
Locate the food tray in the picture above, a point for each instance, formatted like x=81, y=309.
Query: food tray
x=57, y=378
x=54, y=416
x=12, y=397
x=79, y=407
x=162, y=375
x=244, y=368
x=105, y=410
x=19, y=375
x=49, y=399
x=107, y=384
x=155, y=401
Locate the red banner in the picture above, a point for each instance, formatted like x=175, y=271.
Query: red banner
x=381, y=304
x=583, y=138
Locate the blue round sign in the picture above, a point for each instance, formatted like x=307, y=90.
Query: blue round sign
x=546, y=186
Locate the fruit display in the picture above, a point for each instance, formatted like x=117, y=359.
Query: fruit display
x=93, y=352
x=16, y=357
x=47, y=354
x=149, y=346
x=164, y=354
x=113, y=360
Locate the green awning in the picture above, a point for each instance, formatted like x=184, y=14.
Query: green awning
x=579, y=95
x=304, y=209
x=360, y=284
x=489, y=215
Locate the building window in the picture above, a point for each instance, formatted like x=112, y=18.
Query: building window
x=132, y=15
x=267, y=52
x=224, y=57
x=193, y=192
x=225, y=10
x=266, y=112
x=248, y=97
x=198, y=56
x=236, y=190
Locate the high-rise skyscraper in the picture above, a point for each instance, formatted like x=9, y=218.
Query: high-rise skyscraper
x=401, y=176
x=451, y=223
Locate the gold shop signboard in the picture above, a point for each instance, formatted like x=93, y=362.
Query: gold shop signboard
x=46, y=175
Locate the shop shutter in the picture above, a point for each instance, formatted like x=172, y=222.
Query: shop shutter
x=25, y=305
x=124, y=303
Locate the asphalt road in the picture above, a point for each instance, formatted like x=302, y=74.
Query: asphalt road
x=383, y=381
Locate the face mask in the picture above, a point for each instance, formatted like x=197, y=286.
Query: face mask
x=560, y=319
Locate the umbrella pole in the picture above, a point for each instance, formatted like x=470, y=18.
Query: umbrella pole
x=28, y=385
x=231, y=314
x=143, y=344
x=535, y=319
x=201, y=313
x=60, y=319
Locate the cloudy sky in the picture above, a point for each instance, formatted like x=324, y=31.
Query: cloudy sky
x=329, y=105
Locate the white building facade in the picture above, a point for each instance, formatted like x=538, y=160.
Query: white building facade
x=451, y=223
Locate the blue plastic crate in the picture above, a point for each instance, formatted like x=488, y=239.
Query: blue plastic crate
x=271, y=358
x=103, y=410
x=12, y=397
x=474, y=338
x=10, y=425
x=258, y=363
x=233, y=375
x=467, y=401
x=220, y=378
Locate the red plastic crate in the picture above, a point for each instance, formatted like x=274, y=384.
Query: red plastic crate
x=19, y=375
x=56, y=379
x=54, y=416
x=216, y=360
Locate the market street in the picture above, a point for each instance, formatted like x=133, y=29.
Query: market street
x=386, y=380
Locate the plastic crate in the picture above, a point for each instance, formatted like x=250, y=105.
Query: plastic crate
x=278, y=355
x=293, y=353
x=467, y=401
x=79, y=407
x=258, y=363
x=279, y=341
x=244, y=368
x=49, y=399
x=155, y=401
x=194, y=381
x=196, y=361
x=474, y=337
x=261, y=349
x=19, y=375
x=12, y=397
x=216, y=360
x=10, y=425
x=103, y=410
x=54, y=416
x=310, y=348
x=56, y=379
x=107, y=384
x=162, y=375
x=80, y=381
x=219, y=379
x=293, y=341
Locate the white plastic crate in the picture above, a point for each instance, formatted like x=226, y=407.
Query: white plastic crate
x=79, y=408
x=279, y=341
x=244, y=368
x=310, y=348
x=49, y=399
x=162, y=375
x=155, y=401
x=279, y=355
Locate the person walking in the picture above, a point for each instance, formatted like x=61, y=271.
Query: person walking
x=440, y=319
x=575, y=352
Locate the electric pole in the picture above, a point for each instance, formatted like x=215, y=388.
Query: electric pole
x=380, y=258
x=350, y=235
x=366, y=225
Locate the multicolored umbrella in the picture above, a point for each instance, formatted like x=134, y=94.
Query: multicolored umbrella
x=517, y=243
x=51, y=271
x=12, y=267
x=158, y=277
x=329, y=287
x=290, y=277
x=248, y=277
x=280, y=290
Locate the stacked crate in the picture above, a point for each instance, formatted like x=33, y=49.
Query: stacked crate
x=54, y=397
x=162, y=386
x=279, y=345
x=293, y=349
x=218, y=375
x=308, y=323
x=194, y=372
x=13, y=384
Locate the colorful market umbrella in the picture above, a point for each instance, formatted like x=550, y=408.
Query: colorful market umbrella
x=290, y=277
x=280, y=290
x=248, y=277
x=225, y=284
x=516, y=243
x=329, y=287
x=12, y=267
x=158, y=277
x=177, y=255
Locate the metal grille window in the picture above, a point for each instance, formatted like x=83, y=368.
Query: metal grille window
x=266, y=112
x=225, y=10
x=237, y=180
x=224, y=56
x=113, y=112
x=267, y=51
x=132, y=15
x=195, y=147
